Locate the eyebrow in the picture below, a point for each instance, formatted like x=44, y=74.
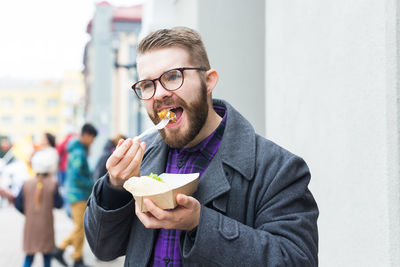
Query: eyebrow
x=147, y=78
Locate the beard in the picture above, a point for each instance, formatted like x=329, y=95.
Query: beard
x=196, y=114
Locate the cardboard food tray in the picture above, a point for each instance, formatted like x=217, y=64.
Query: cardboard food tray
x=162, y=194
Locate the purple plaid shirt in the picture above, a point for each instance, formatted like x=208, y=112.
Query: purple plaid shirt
x=186, y=160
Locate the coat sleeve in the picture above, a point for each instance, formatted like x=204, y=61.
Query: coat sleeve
x=284, y=232
x=19, y=201
x=58, y=201
x=107, y=231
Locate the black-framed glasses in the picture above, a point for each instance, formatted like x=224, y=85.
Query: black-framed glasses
x=171, y=80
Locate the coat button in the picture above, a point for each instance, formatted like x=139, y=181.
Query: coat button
x=167, y=260
x=180, y=164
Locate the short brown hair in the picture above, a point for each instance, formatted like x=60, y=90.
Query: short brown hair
x=184, y=37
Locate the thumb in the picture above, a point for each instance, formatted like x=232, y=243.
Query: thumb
x=185, y=201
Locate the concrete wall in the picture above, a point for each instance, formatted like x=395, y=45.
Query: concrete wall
x=234, y=35
x=332, y=97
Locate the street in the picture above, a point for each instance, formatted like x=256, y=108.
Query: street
x=11, y=236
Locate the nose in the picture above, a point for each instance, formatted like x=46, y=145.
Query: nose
x=160, y=92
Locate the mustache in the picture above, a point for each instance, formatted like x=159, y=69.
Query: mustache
x=168, y=102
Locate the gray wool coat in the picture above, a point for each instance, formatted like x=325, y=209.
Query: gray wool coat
x=256, y=209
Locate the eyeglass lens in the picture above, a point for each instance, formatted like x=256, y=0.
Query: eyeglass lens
x=170, y=80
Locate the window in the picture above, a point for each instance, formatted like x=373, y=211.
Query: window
x=51, y=120
x=6, y=102
x=52, y=102
x=29, y=102
x=6, y=119
x=29, y=119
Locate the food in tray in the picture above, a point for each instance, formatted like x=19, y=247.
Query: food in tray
x=156, y=177
x=163, y=193
x=145, y=185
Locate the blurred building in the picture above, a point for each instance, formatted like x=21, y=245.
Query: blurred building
x=110, y=71
x=31, y=108
x=72, y=102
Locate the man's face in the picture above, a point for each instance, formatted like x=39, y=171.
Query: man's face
x=87, y=139
x=189, y=102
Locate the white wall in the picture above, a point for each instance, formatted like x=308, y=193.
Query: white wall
x=331, y=90
x=233, y=32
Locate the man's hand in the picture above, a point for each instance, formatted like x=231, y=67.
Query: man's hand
x=125, y=161
x=185, y=216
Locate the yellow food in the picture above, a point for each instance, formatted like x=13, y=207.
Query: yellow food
x=167, y=114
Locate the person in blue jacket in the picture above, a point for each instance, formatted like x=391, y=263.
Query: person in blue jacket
x=78, y=186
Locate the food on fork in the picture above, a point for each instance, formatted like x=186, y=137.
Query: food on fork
x=167, y=114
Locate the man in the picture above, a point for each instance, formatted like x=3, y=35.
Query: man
x=252, y=206
x=79, y=184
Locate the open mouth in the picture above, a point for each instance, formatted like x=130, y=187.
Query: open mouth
x=172, y=113
x=178, y=113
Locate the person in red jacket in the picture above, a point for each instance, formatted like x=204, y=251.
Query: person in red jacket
x=63, y=155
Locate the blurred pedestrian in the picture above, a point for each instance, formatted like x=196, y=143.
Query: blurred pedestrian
x=5, y=146
x=48, y=143
x=108, y=149
x=36, y=201
x=63, y=158
x=78, y=186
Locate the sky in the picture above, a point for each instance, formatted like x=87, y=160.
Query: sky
x=41, y=39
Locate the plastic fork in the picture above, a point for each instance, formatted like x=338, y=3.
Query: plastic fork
x=154, y=128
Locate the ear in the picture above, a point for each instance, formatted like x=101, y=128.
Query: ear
x=211, y=80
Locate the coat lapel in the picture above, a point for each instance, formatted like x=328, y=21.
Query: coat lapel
x=155, y=158
x=213, y=183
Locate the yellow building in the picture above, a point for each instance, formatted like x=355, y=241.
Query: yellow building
x=72, y=101
x=35, y=108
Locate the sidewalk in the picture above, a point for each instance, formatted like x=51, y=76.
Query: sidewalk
x=11, y=235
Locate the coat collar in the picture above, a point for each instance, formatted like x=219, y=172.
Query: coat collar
x=238, y=144
x=237, y=150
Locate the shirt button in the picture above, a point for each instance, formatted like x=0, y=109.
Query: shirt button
x=167, y=260
x=180, y=164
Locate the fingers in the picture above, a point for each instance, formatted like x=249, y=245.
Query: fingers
x=185, y=201
x=125, y=161
x=120, y=142
x=158, y=213
x=182, y=218
x=119, y=152
x=146, y=218
x=130, y=153
x=135, y=163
